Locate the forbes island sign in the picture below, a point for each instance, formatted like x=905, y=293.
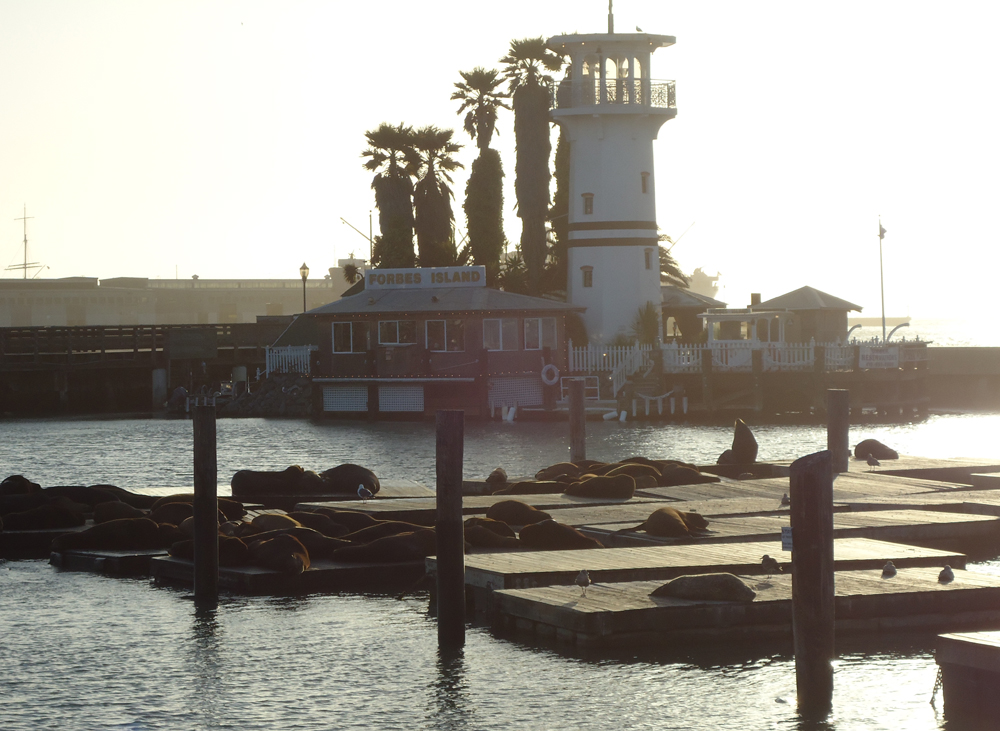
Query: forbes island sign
x=426, y=277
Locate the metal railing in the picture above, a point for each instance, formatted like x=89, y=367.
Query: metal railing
x=570, y=93
x=638, y=358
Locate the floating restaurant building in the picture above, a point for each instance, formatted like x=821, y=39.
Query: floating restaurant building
x=417, y=340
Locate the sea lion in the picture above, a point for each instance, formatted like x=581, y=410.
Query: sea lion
x=873, y=448
x=350, y=519
x=497, y=477
x=498, y=527
x=514, y=512
x=284, y=553
x=136, y=500
x=319, y=522
x=123, y=534
x=479, y=536
x=381, y=529
x=617, y=487
x=88, y=496
x=675, y=475
x=18, y=485
x=671, y=523
x=115, y=509
x=397, y=548
x=548, y=535
x=346, y=479
x=318, y=545
x=744, y=449
x=20, y=502
x=232, y=551
x=555, y=470
x=174, y=513
x=634, y=469
x=720, y=587
x=58, y=513
x=274, y=521
x=231, y=509
x=645, y=482
x=531, y=487
x=292, y=480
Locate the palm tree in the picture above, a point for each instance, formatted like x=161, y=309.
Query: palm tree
x=432, y=162
x=670, y=271
x=526, y=61
x=484, y=191
x=388, y=153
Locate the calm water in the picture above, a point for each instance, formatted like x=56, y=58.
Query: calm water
x=85, y=652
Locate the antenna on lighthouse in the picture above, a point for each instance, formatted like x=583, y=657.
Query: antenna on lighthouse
x=611, y=16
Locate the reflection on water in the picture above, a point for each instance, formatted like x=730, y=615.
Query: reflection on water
x=88, y=652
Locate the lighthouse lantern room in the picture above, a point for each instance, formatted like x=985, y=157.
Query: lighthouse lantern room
x=611, y=110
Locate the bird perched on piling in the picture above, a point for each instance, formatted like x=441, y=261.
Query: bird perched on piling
x=770, y=565
x=364, y=493
x=583, y=581
x=872, y=463
x=889, y=570
x=946, y=575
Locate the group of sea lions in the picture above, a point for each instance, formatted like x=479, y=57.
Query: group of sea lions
x=344, y=479
x=607, y=480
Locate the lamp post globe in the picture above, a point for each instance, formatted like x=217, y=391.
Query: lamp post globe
x=304, y=271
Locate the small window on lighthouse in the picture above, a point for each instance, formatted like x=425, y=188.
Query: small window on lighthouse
x=588, y=203
x=588, y=276
x=649, y=258
x=645, y=182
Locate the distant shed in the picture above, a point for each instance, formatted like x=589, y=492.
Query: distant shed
x=684, y=306
x=817, y=315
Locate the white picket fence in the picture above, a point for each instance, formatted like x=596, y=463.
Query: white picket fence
x=289, y=359
x=598, y=358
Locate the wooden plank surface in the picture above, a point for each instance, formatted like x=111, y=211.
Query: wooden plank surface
x=541, y=568
x=113, y=563
x=889, y=525
x=913, y=599
x=976, y=650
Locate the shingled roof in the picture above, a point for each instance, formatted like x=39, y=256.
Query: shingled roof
x=440, y=299
x=806, y=298
x=678, y=298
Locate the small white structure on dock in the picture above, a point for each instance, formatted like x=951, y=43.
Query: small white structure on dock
x=611, y=110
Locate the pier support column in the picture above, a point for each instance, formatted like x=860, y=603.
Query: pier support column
x=450, y=531
x=206, y=504
x=811, y=493
x=838, y=426
x=577, y=422
x=159, y=388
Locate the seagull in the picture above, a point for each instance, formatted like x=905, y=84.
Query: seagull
x=364, y=493
x=785, y=500
x=946, y=575
x=770, y=565
x=889, y=570
x=583, y=581
x=638, y=29
x=872, y=463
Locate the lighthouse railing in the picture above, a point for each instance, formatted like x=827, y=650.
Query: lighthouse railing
x=587, y=92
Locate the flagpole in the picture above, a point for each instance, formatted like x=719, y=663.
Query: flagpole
x=881, y=275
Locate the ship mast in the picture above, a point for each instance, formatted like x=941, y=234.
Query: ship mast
x=26, y=265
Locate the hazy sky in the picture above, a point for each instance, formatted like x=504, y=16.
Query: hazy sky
x=223, y=138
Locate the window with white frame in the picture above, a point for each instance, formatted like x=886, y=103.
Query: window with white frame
x=500, y=334
x=350, y=337
x=539, y=332
x=446, y=335
x=397, y=332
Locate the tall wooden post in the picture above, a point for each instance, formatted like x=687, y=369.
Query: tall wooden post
x=450, y=531
x=811, y=494
x=206, y=505
x=577, y=422
x=838, y=426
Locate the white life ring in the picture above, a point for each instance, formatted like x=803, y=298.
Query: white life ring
x=550, y=375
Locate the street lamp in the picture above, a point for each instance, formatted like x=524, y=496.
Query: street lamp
x=304, y=271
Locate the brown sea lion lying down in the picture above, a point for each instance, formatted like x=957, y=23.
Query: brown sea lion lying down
x=232, y=551
x=720, y=587
x=232, y=509
x=391, y=549
x=284, y=553
x=57, y=513
x=120, y=535
x=671, y=523
x=619, y=486
x=548, y=535
x=514, y=512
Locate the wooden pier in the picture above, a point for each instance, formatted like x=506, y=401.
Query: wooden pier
x=108, y=562
x=624, y=614
x=970, y=675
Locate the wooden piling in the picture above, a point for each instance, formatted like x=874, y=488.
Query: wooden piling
x=838, y=425
x=577, y=422
x=206, y=504
x=811, y=492
x=450, y=531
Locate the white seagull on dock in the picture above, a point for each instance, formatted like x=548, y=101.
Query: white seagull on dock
x=946, y=575
x=872, y=463
x=364, y=493
x=889, y=570
x=583, y=581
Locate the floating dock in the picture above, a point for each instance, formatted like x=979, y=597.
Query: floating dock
x=108, y=562
x=620, y=614
x=970, y=675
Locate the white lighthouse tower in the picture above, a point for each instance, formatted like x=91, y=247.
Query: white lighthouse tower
x=611, y=109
